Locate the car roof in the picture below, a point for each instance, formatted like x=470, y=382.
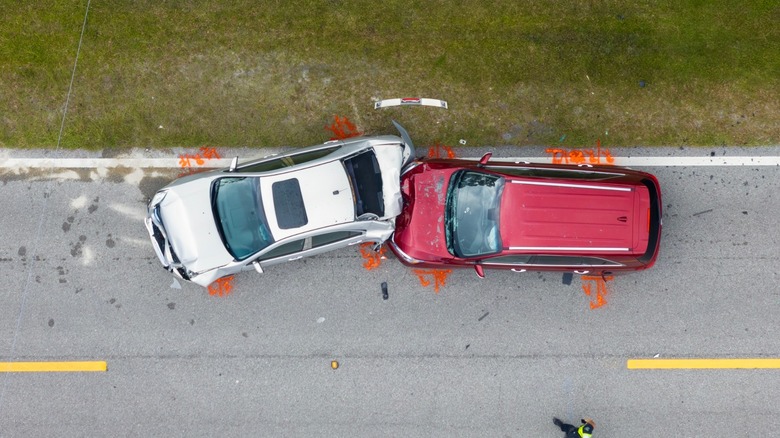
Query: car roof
x=323, y=192
x=572, y=217
x=319, y=189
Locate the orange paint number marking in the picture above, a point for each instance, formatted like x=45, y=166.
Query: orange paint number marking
x=199, y=159
x=581, y=156
x=209, y=153
x=184, y=160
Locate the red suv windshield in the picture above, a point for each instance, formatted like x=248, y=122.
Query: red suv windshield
x=472, y=212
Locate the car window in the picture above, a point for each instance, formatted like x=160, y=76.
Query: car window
x=556, y=260
x=239, y=214
x=598, y=261
x=553, y=173
x=508, y=260
x=328, y=238
x=287, y=160
x=288, y=204
x=284, y=249
x=365, y=177
x=471, y=213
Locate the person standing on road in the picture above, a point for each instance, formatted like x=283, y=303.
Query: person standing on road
x=584, y=431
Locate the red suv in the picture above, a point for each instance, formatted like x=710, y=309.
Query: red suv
x=527, y=217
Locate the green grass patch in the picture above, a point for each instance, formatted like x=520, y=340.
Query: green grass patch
x=270, y=73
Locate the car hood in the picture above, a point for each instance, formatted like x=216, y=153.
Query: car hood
x=189, y=225
x=419, y=229
x=603, y=218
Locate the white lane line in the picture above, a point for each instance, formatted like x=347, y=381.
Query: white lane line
x=94, y=163
x=661, y=161
x=165, y=163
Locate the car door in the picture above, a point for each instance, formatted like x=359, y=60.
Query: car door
x=333, y=240
x=307, y=246
x=280, y=253
x=575, y=264
x=530, y=262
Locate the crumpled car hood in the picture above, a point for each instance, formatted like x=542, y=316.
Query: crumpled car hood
x=419, y=231
x=189, y=224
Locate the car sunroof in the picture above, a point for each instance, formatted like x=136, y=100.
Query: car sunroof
x=288, y=203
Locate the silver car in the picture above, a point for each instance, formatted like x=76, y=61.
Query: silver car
x=279, y=208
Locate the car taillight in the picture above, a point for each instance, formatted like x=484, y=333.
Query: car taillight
x=648, y=220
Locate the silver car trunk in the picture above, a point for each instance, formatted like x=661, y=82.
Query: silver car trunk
x=390, y=160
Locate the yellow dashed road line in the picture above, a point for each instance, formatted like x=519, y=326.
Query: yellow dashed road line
x=52, y=367
x=668, y=364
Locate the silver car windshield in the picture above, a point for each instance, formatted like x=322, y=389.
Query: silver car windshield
x=472, y=212
x=240, y=217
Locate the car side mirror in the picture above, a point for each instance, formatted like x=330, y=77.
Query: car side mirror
x=485, y=158
x=234, y=164
x=480, y=271
x=257, y=267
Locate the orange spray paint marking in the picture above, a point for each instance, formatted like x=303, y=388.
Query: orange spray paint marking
x=581, y=156
x=576, y=157
x=184, y=161
x=557, y=154
x=440, y=150
x=342, y=128
x=209, y=153
x=372, y=258
x=598, y=298
x=437, y=276
x=222, y=287
x=187, y=160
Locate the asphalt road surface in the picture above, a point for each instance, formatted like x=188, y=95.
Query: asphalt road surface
x=493, y=357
